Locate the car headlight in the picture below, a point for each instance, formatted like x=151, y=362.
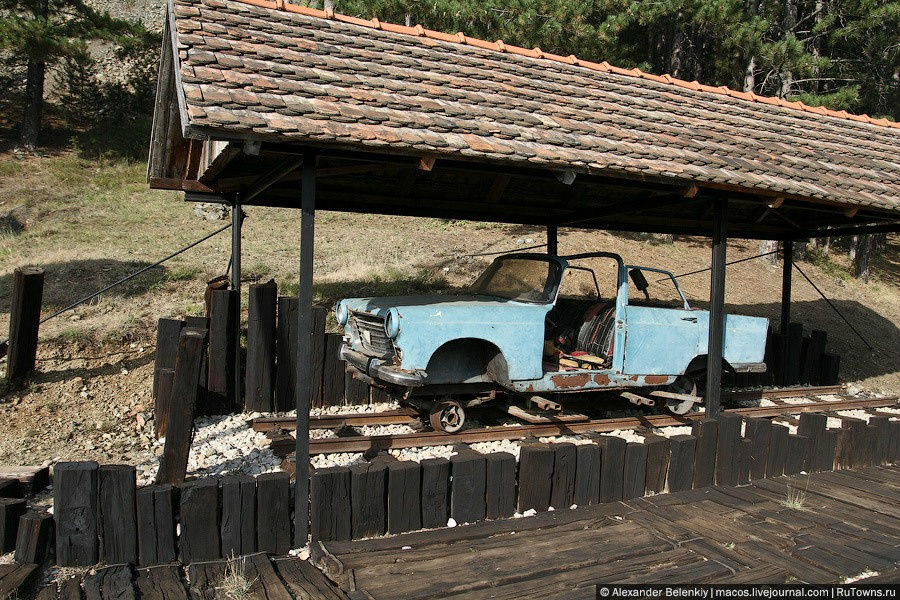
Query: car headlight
x=341, y=313
x=392, y=323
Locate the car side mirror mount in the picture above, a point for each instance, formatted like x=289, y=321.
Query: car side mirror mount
x=640, y=282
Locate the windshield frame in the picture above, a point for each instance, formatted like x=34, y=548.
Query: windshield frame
x=557, y=268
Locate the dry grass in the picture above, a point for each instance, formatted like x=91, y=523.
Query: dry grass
x=234, y=584
x=795, y=498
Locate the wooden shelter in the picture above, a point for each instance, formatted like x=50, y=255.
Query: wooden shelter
x=269, y=103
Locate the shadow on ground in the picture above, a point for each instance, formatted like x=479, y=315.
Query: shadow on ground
x=68, y=281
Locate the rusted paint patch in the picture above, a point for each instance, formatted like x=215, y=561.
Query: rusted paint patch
x=634, y=378
x=570, y=381
x=601, y=379
x=656, y=379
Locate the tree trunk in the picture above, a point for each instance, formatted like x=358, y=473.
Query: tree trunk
x=865, y=251
x=34, y=104
x=769, y=246
x=750, y=75
x=788, y=24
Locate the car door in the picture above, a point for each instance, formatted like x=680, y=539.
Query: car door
x=662, y=341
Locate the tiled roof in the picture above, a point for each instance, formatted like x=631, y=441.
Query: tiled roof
x=282, y=72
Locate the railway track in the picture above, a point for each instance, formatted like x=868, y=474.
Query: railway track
x=283, y=445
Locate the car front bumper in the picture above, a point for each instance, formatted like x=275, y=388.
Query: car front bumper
x=378, y=369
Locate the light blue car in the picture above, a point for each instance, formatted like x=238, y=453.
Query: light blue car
x=515, y=331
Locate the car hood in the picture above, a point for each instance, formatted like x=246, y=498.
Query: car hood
x=442, y=307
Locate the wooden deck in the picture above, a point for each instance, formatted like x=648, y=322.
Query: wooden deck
x=278, y=579
x=849, y=523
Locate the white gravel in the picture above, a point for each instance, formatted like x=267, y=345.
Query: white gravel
x=339, y=459
x=792, y=428
x=510, y=446
x=572, y=439
x=893, y=411
x=833, y=423
x=670, y=431
x=353, y=409
x=798, y=401
x=765, y=402
x=830, y=398
x=420, y=454
x=221, y=445
x=373, y=430
x=856, y=414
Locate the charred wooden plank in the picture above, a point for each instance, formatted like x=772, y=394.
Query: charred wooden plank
x=110, y=583
x=436, y=492
x=758, y=431
x=174, y=460
x=404, y=511
x=199, y=539
x=11, y=510
x=286, y=350
x=657, y=463
x=778, y=448
x=116, y=517
x=156, y=524
x=34, y=542
x=75, y=511
x=727, y=449
x=273, y=524
x=161, y=583
x=587, y=474
x=812, y=426
x=368, y=499
x=238, y=527
x=15, y=579
x=706, y=433
x=334, y=371
x=318, y=354
x=612, y=468
x=24, y=321
x=635, y=471
x=467, y=490
x=681, y=462
x=797, y=450
x=500, y=491
x=535, y=475
x=562, y=489
x=167, y=334
x=329, y=504
x=259, y=390
x=223, y=359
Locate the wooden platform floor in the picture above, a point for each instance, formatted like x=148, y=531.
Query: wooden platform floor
x=849, y=523
x=263, y=579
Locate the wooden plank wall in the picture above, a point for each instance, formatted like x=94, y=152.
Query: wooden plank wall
x=792, y=360
x=100, y=516
x=271, y=360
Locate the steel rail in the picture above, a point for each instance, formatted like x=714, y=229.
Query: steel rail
x=283, y=445
x=405, y=416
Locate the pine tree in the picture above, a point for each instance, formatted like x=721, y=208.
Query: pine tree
x=39, y=33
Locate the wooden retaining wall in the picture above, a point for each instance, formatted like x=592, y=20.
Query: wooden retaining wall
x=101, y=516
x=269, y=360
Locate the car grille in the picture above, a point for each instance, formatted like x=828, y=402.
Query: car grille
x=369, y=329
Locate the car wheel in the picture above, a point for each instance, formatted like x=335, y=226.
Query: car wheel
x=683, y=385
x=447, y=416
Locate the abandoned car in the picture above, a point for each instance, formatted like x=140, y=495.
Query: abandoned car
x=518, y=330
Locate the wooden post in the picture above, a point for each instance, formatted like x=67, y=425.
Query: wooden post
x=238, y=527
x=716, y=310
x=562, y=489
x=587, y=474
x=11, y=510
x=500, y=489
x=635, y=471
x=368, y=488
x=286, y=350
x=173, y=463
x=330, y=503
x=681, y=462
x=75, y=511
x=758, y=431
x=273, y=522
x=334, y=371
x=237, y=220
x=787, y=254
x=778, y=448
x=535, y=473
x=657, y=463
x=24, y=320
x=163, y=402
x=705, y=432
x=167, y=332
x=467, y=492
x=436, y=492
x=304, y=349
x=612, y=468
x=552, y=240
x=728, y=452
x=223, y=313
x=117, y=526
x=260, y=378
x=156, y=524
x=199, y=539
x=34, y=543
x=404, y=496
